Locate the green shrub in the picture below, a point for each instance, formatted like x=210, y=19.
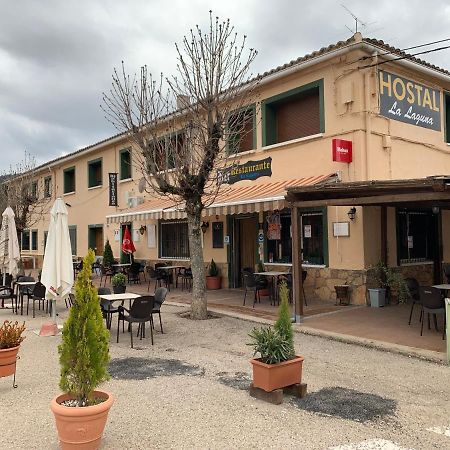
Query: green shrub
x=11, y=334
x=213, y=270
x=84, y=350
x=108, y=257
x=119, y=279
x=275, y=345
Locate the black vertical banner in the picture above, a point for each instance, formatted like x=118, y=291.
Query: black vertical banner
x=113, y=189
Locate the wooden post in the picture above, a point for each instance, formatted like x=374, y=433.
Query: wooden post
x=297, y=281
x=384, y=252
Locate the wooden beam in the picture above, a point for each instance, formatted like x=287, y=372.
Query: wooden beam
x=384, y=252
x=377, y=200
x=297, y=281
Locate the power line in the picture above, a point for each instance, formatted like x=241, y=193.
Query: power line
x=407, y=56
x=409, y=48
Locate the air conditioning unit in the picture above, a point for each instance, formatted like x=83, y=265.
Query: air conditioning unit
x=135, y=201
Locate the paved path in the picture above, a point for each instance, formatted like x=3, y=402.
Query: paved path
x=189, y=391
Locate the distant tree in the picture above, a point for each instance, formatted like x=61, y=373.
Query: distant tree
x=183, y=155
x=23, y=191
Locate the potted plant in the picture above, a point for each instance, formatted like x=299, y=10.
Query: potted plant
x=397, y=288
x=377, y=294
x=262, y=281
x=119, y=283
x=277, y=366
x=10, y=340
x=108, y=257
x=213, y=280
x=82, y=411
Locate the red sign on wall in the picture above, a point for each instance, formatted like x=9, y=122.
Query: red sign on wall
x=342, y=150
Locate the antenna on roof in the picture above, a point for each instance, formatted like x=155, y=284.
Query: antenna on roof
x=357, y=20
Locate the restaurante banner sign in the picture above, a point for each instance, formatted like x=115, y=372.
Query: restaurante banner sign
x=251, y=170
x=410, y=102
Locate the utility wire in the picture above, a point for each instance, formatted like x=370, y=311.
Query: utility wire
x=406, y=56
x=407, y=48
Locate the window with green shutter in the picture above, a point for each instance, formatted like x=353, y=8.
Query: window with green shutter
x=73, y=238
x=125, y=164
x=447, y=117
x=34, y=239
x=69, y=180
x=293, y=114
x=47, y=187
x=95, y=173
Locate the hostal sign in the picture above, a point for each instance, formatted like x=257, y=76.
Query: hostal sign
x=410, y=102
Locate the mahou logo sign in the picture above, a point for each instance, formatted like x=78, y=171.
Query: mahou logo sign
x=342, y=151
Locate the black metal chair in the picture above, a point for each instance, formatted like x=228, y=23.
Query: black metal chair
x=105, y=272
x=134, y=272
x=432, y=303
x=252, y=284
x=37, y=295
x=162, y=276
x=152, y=275
x=6, y=291
x=160, y=296
x=23, y=291
x=414, y=295
x=107, y=308
x=140, y=312
x=186, y=279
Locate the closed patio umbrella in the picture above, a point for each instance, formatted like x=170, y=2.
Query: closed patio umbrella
x=57, y=269
x=127, y=243
x=9, y=244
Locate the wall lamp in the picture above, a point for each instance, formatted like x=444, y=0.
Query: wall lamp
x=352, y=213
x=142, y=229
x=204, y=226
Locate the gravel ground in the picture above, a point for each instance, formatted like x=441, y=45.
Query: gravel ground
x=190, y=391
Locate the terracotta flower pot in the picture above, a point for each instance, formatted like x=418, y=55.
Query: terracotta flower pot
x=276, y=376
x=81, y=428
x=213, y=283
x=8, y=358
x=264, y=292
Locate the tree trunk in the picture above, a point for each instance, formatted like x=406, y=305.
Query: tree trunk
x=198, y=303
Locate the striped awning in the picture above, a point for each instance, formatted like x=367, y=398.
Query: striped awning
x=249, y=198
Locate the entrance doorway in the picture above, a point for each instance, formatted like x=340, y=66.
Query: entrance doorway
x=95, y=239
x=243, y=248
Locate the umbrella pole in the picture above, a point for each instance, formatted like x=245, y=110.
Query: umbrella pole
x=53, y=310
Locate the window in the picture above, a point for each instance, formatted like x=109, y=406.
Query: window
x=313, y=226
x=34, y=240
x=95, y=173
x=163, y=152
x=47, y=187
x=174, y=242
x=26, y=240
x=241, y=130
x=34, y=191
x=447, y=117
x=125, y=164
x=415, y=236
x=217, y=234
x=279, y=240
x=294, y=114
x=69, y=180
x=73, y=238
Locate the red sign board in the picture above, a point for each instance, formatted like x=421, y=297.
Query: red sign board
x=342, y=150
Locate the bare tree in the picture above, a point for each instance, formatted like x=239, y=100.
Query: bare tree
x=186, y=127
x=24, y=192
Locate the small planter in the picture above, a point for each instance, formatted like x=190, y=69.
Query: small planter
x=119, y=289
x=8, y=358
x=342, y=294
x=264, y=292
x=81, y=427
x=213, y=283
x=269, y=377
x=377, y=297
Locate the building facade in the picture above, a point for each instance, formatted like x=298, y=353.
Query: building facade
x=350, y=112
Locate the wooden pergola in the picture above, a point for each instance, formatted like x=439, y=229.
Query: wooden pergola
x=411, y=193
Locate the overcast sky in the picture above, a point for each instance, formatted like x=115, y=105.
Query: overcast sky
x=56, y=57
